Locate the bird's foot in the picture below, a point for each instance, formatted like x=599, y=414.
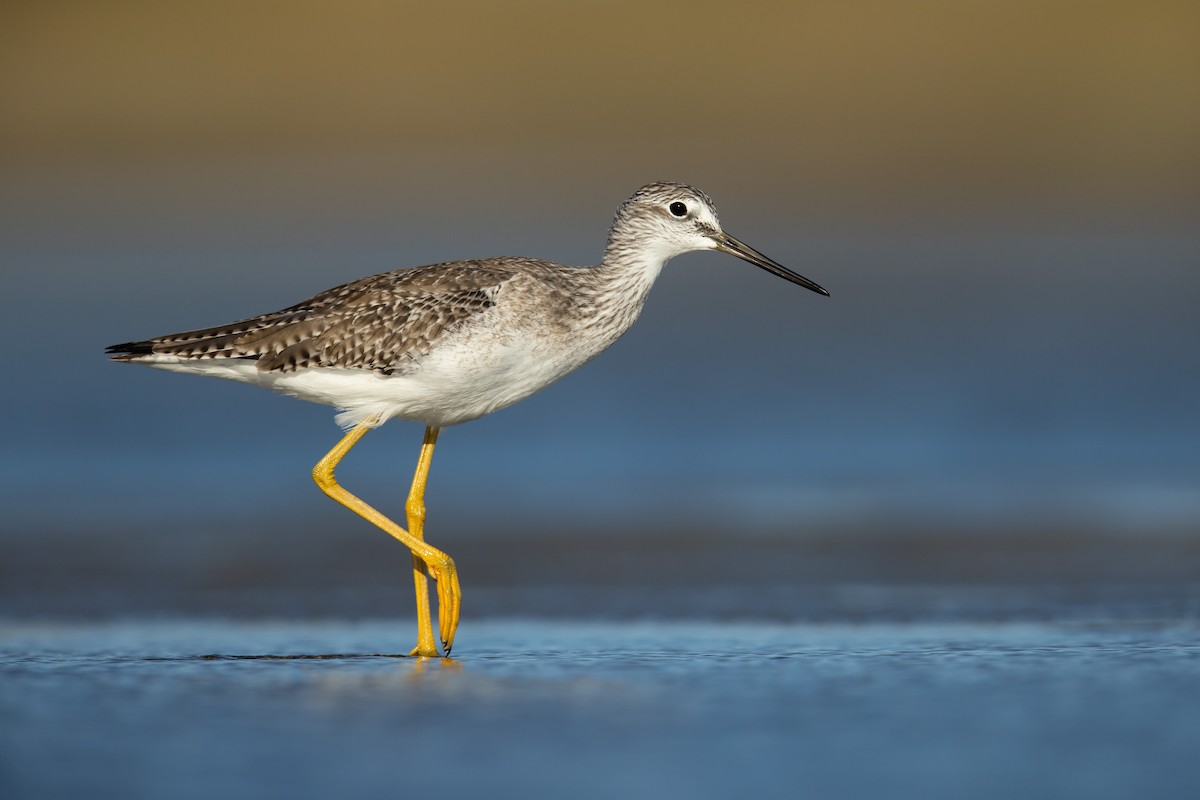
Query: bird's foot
x=444, y=573
x=429, y=651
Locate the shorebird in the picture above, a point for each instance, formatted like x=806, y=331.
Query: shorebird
x=448, y=343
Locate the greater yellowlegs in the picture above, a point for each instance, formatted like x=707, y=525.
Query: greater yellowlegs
x=449, y=343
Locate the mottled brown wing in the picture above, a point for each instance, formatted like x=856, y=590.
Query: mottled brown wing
x=381, y=323
x=384, y=329
x=220, y=341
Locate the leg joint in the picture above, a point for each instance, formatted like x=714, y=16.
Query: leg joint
x=322, y=475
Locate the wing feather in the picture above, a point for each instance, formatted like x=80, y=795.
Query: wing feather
x=383, y=323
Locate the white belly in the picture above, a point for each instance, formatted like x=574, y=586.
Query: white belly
x=462, y=379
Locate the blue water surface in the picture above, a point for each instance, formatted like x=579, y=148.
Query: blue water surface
x=186, y=708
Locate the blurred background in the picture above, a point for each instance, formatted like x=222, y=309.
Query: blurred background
x=1003, y=388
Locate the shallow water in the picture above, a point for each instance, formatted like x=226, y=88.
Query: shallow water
x=187, y=708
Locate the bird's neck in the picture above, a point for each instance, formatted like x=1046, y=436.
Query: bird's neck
x=632, y=261
x=620, y=285
x=630, y=270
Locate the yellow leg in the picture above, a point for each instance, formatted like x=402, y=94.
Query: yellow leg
x=414, y=510
x=438, y=565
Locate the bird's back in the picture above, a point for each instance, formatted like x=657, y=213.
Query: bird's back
x=383, y=323
x=454, y=340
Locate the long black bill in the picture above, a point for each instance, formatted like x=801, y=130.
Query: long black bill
x=728, y=244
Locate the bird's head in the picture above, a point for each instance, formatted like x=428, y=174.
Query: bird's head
x=664, y=220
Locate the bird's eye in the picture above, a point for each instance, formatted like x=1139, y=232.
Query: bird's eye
x=678, y=209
